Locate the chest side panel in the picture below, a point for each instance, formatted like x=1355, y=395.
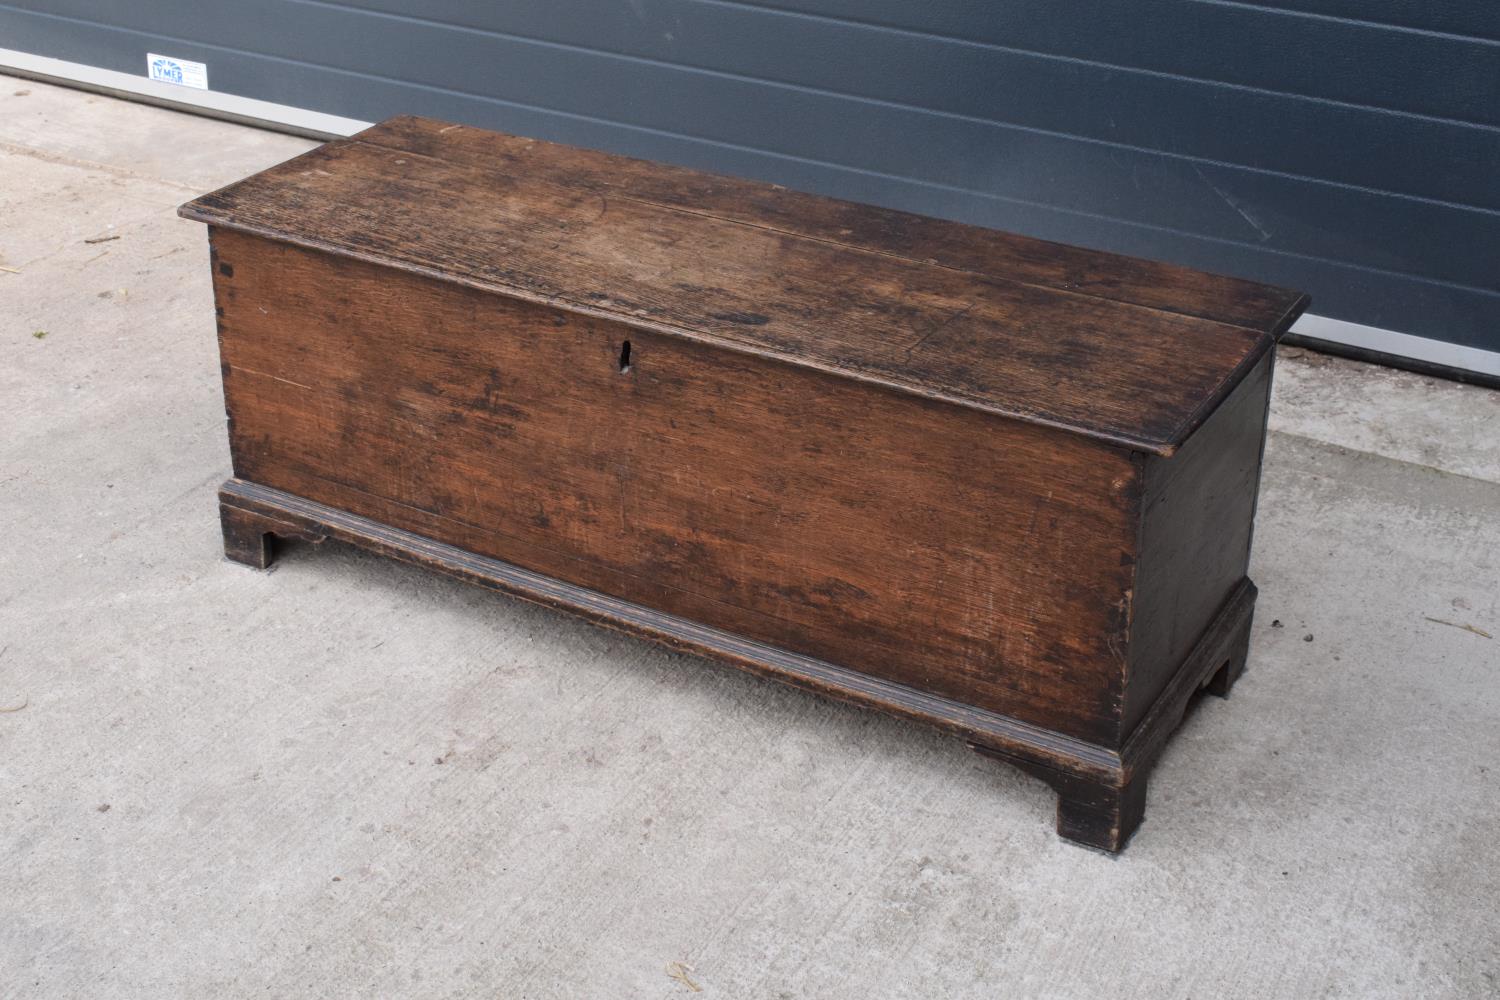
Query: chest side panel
x=950, y=550
x=1197, y=519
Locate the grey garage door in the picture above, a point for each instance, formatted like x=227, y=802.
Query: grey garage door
x=1347, y=147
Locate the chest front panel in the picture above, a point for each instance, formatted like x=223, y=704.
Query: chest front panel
x=951, y=550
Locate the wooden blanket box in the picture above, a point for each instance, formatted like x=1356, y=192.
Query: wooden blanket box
x=1002, y=486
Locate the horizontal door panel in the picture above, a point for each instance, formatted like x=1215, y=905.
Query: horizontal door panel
x=1442, y=160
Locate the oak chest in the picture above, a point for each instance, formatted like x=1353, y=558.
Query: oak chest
x=1002, y=486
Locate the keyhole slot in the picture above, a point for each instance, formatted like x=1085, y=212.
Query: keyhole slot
x=624, y=357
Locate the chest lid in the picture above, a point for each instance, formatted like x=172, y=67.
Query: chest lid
x=1133, y=352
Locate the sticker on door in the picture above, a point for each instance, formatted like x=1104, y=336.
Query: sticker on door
x=178, y=71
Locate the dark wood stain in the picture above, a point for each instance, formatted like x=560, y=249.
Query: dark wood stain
x=1197, y=512
x=998, y=485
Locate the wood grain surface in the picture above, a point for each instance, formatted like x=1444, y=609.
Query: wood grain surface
x=924, y=542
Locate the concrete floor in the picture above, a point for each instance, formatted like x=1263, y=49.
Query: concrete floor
x=348, y=777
